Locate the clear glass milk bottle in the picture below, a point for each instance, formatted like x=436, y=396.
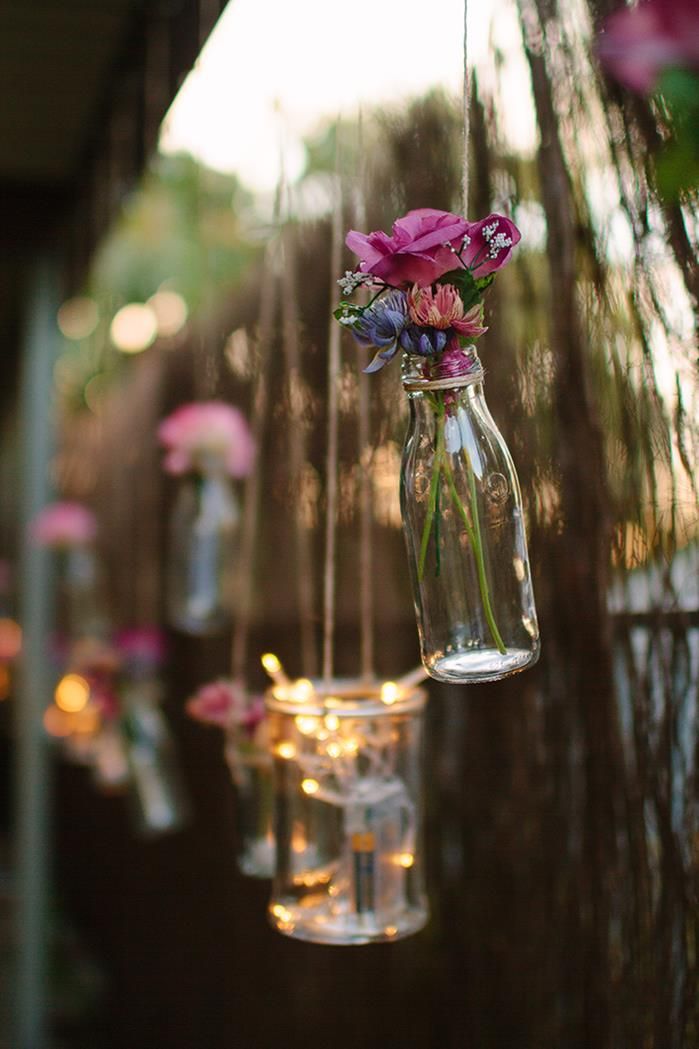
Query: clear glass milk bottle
x=202, y=551
x=464, y=528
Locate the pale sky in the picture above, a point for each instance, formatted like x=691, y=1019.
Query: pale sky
x=274, y=68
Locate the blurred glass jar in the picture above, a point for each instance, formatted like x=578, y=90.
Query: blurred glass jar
x=80, y=603
x=348, y=812
x=157, y=795
x=464, y=528
x=200, y=581
x=250, y=765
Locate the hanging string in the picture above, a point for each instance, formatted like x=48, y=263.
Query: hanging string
x=251, y=495
x=331, y=461
x=297, y=450
x=366, y=568
x=466, y=116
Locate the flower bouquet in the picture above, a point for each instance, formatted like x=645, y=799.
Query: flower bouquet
x=208, y=444
x=460, y=498
x=225, y=704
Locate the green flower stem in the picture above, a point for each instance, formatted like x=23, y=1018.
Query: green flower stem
x=434, y=491
x=474, y=535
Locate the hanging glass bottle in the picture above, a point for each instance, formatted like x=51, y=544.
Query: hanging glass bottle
x=464, y=528
x=348, y=812
x=202, y=551
x=250, y=765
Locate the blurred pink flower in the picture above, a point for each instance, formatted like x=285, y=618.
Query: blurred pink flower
x=418, y=252
x=638, y=43
x=443, y=308
x=205, y=430
x=220, y=703
x=141, y=647
x=63, y=524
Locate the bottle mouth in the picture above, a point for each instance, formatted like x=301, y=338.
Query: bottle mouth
x=455, y=366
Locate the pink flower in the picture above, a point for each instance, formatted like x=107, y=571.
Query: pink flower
x=418, y=252
x=63, y=524
x=638, y=43
x=224, y=703
x=207, y=430
x=143, y=646
x=489, y=244
x=443, y=308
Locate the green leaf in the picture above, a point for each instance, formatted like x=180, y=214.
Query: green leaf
x=347, y=310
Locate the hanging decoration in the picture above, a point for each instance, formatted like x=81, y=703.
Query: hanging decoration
x=460, y=498
x=69, y=530
x=348, y=819
x=208, y=444
x=157, y=796
x=226, y=704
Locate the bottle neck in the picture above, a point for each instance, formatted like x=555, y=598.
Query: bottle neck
x=456, y=366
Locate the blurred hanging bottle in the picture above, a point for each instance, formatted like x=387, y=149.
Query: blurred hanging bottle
x=208, y=445
x=157, y=795
x=69, y=530
x=464, y=528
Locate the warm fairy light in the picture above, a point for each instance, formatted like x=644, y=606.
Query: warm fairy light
x=57, y=723
x=332, y=722
x=299, y=841
x=72, y=693
x=134, y=328
x=351, y=746
x=286, y=750
x=306, y=725
x=303, y=689
x=391, y=930
x=332, y=702
x=86, y=720
x=281, y=912
x=390, y=692
x=405, y=859
x=10, y=639
x=334, y=749
x=310, y=786
x=273, y=667
x=4, y=682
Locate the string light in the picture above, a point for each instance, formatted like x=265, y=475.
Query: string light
x=72, y=693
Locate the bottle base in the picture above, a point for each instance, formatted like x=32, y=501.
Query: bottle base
x=335, y=926
x=473, y=666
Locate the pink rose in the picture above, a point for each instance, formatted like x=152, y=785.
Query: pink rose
x=490, y=244
x=638, y=43
x=220, y=703
x=418, y=252
x=63, y=524
x=205, y=430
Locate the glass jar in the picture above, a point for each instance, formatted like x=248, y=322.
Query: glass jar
x=200, y=574
x=464, y=529
x=80, y=602
x=251, y=771
x=157, y=795
x=348, y=812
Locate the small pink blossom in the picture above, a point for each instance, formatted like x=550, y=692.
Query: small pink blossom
x=442, y=308
x=142, y=647
x=419, y=252
x=489, y=243
x=63, y=524
x=639, y=42
x=201, y=431
x=220, y=703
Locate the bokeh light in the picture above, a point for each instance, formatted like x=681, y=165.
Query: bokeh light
x=78, y=317
x=134, y=328
x=72, y=693
x=170, y=311
x=10, y=639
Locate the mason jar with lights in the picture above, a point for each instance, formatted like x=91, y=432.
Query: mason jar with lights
x=348, y=809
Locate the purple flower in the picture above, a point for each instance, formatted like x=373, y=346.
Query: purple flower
x=638, y=43
x=380, y=326
x=488, y=244
x=424, y=341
